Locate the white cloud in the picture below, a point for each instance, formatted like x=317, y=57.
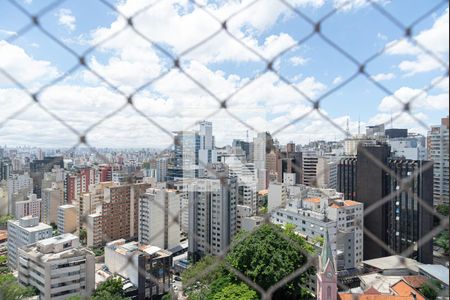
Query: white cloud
x=383, y=76
x=176, y=24
x=8, y=33
x=347, y=5
x=298, y=60
x=382, y=36
x=22, y=67
x=436, y=39
x=337, y=80
x=421, y=100
x=66, y=18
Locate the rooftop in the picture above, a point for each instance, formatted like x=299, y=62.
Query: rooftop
x=313, y=200
x=380, y=282
x=28, y=223
x=393, y=262
x=437, y=271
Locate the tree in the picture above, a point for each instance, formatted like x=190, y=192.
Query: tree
x=236, y=292
x=442, y=209
x=110, y=289
x=199, y=272
x=4, y=220
x=442, y=241
x=268, y=255
x=11, y=289
x=430, y=290
x=82, y=235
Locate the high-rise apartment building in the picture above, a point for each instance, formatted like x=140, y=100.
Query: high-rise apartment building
x=20, y=186
x=158, y=211
x=30, y=207
x=212, y=214
x=58, y=268
x=67, y=220
x=346, y=177
x=261, y=147
x=438, y=151
x=24, y=232
x=52, y=198
x=120, y=211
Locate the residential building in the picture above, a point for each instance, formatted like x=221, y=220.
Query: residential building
x=19, y=187
x=146, y=266
x=342, y=219
x=438, y=151
x=52, y=198
x=277, y=196
x=30, y=207
x=159, y=210
x=120, y=211
x=94, y=231
x=67, y=220
x=212, y=214
x=22, y=232
x=58, y=268
x=242, y=212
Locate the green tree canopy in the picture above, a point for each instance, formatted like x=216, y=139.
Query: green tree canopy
x=268, y=255
x=236, y=292
x=442, y=209
x=110, y=289
x=11, y=289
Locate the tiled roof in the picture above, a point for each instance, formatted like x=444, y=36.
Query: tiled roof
x=348, y=296
x=416, y=281
x=314, y=200
x=401, y=288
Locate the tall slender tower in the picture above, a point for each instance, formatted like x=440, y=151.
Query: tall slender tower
x=326, y=275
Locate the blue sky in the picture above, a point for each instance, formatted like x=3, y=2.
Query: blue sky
x=222, y=65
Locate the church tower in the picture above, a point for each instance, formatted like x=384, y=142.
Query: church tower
x=326, y=274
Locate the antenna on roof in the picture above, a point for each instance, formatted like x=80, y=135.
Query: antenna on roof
x=359, y=125
x=348, y=129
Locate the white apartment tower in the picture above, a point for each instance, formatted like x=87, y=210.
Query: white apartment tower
x=58, y=267
x=158, y=211
x=438, y=148
x=212, y=215
x=259, y=158
x=24, y=232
